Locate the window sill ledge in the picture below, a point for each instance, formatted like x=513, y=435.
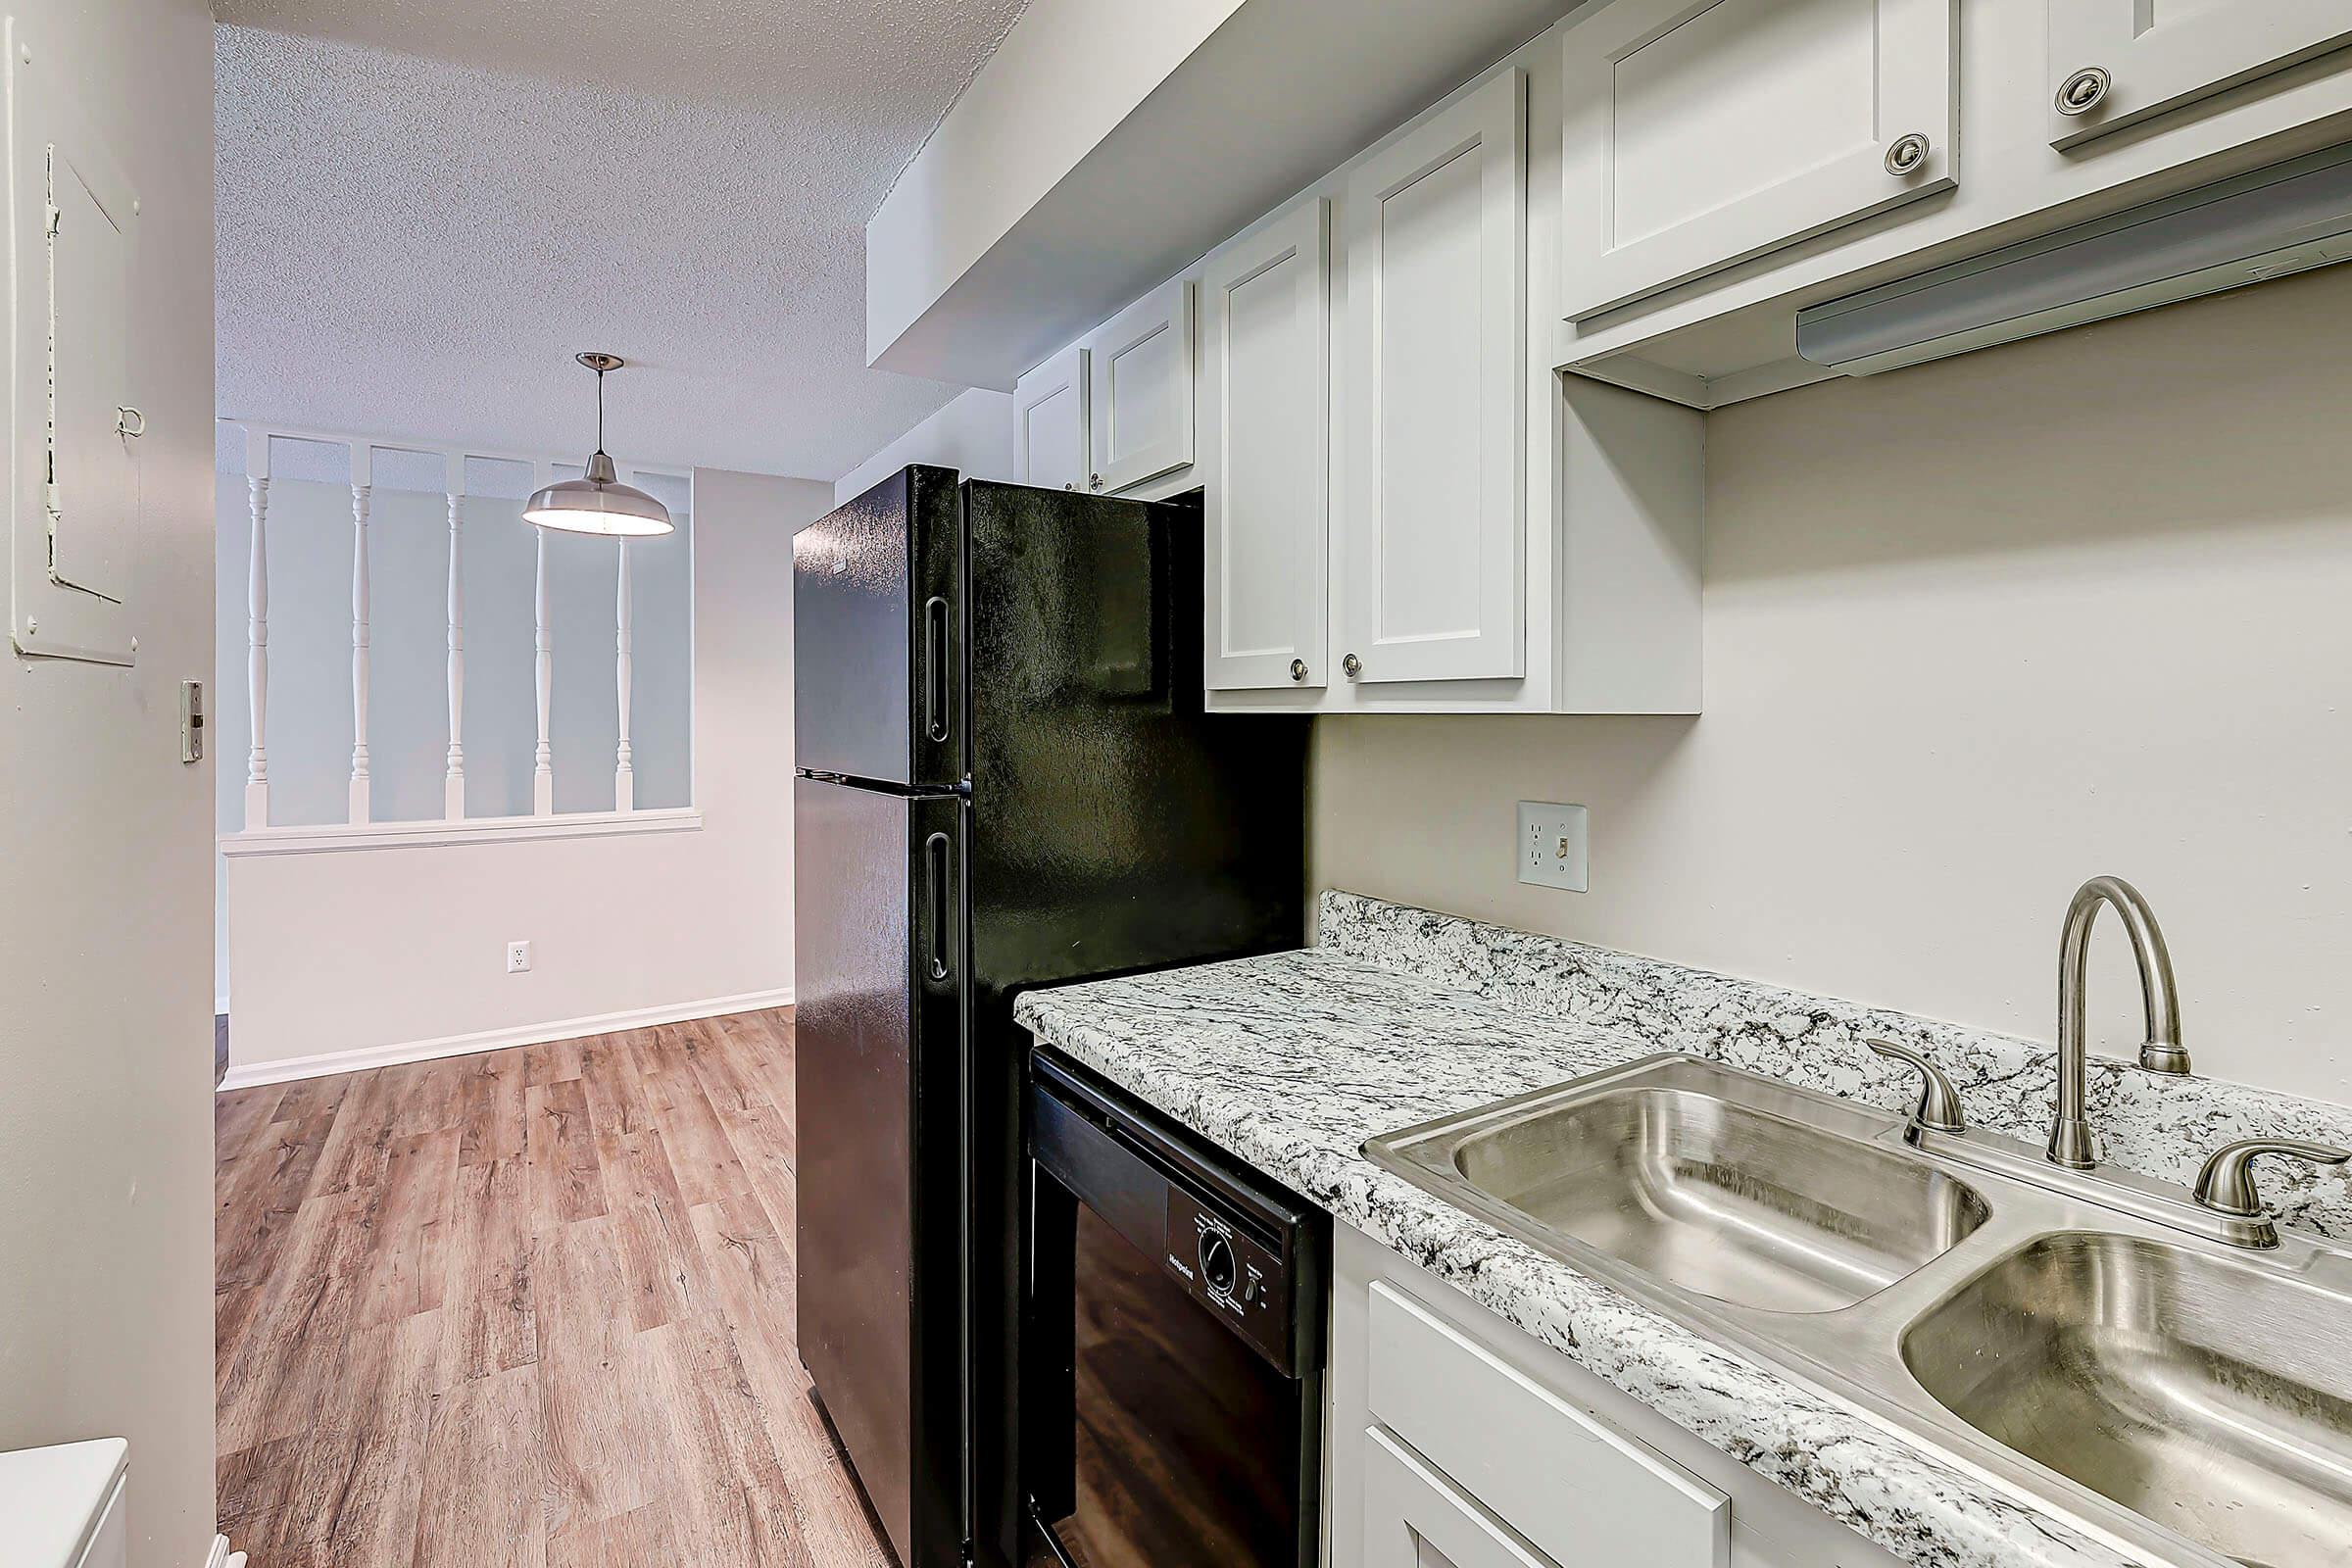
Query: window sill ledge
x=332, y=839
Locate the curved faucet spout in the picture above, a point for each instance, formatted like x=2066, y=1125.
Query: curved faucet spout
x=2073, y=1144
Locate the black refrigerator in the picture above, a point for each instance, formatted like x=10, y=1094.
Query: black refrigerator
x=1006, y=780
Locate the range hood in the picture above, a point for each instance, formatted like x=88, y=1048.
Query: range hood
x=2286, y=219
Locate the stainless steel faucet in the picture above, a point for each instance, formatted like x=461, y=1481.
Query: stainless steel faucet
x=2072, y=1141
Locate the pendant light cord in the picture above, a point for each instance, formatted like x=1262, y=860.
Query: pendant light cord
x=600, y=411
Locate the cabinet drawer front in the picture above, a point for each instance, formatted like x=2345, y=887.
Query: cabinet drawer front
x=1574, y=1488
x=1434, y=529
x=1701, y=135
x=1266, y=310
x=1416, y=1518
x=2160, y=56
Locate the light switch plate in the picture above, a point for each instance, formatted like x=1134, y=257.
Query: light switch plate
x=1552, y=845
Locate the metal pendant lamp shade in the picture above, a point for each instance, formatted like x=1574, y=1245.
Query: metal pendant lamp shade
x=598, y=503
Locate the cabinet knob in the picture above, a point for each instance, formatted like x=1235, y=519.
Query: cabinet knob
x=1297, y=669
x=1353, y=666
x=1907, y=155
x=2083, y=91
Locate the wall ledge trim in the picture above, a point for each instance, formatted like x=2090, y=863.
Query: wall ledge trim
x=365, y=1057
x=338, y=837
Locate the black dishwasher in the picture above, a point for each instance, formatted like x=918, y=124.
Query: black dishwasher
x=1172, y=1384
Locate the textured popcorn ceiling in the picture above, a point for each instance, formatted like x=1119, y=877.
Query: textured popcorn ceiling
x=427, y=206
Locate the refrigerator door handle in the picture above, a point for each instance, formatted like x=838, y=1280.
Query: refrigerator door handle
x=935, y=672
x=937, y=889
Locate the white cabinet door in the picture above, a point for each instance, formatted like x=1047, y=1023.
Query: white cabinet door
x=1432, y=534
x=1415, y=1517
x=1701, y=135
x=1266, y=308
x=1049, y=424
x=1571, y=1485
x=1139, y=403
x=2114, y=63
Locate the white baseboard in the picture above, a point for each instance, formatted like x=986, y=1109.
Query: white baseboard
x=222, y=1557
x=327, y=1063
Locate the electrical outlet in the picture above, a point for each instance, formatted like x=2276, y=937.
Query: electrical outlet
x=519, y=958
x=1552, y=845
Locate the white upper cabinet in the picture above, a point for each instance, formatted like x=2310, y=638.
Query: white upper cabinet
x=2115, y=63
x=1698, y=135
x=1139, y=391
x=1433, y=542
x=1049, y=424
x=1265, y=404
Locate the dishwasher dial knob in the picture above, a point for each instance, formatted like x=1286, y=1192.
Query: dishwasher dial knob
x=1216, y=1263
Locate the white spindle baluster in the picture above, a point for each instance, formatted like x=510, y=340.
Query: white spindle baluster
x=624, y=772
x=257, y=629
x=360, y=489
x=543, y=642
x=453, y=783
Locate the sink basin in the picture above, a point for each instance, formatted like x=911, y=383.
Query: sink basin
x=2211, y=1396
x=1706, y=1180
x=2092, y=1340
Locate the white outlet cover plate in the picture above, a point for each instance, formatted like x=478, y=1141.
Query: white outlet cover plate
x=1552, y=845
x=519, y=958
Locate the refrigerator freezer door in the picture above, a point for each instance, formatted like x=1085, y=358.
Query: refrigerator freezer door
x=878, y=1079
x=878, y=635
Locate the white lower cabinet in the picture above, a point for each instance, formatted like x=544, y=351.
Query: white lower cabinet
x=1459, y=1442
x=1416, y=1518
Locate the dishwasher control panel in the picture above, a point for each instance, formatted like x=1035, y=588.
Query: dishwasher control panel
x=1236, y=1275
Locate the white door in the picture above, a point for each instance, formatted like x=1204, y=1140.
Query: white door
x=1049, y=424
x=1266, y=306
x=1415, y=1517
x=1701, y=135
x=1140, y=379
x=2114, y=63
x=1433, y=538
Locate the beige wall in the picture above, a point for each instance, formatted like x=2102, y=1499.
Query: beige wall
x=106, y=1260
x=379, y=951
x=1974, y=632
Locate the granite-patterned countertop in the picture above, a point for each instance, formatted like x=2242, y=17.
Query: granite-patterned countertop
x=1291, y=1060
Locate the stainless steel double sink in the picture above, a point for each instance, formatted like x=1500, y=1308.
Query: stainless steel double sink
x=2092, y=1340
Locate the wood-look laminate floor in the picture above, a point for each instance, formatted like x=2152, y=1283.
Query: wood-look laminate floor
x=531, y=1308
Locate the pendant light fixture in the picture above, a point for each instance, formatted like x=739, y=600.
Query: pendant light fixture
x=599, y=502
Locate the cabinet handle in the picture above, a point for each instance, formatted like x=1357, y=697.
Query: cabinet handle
x=1297, y=669
x=2083, y=91
x=1353, y=665
x=1907, y=155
